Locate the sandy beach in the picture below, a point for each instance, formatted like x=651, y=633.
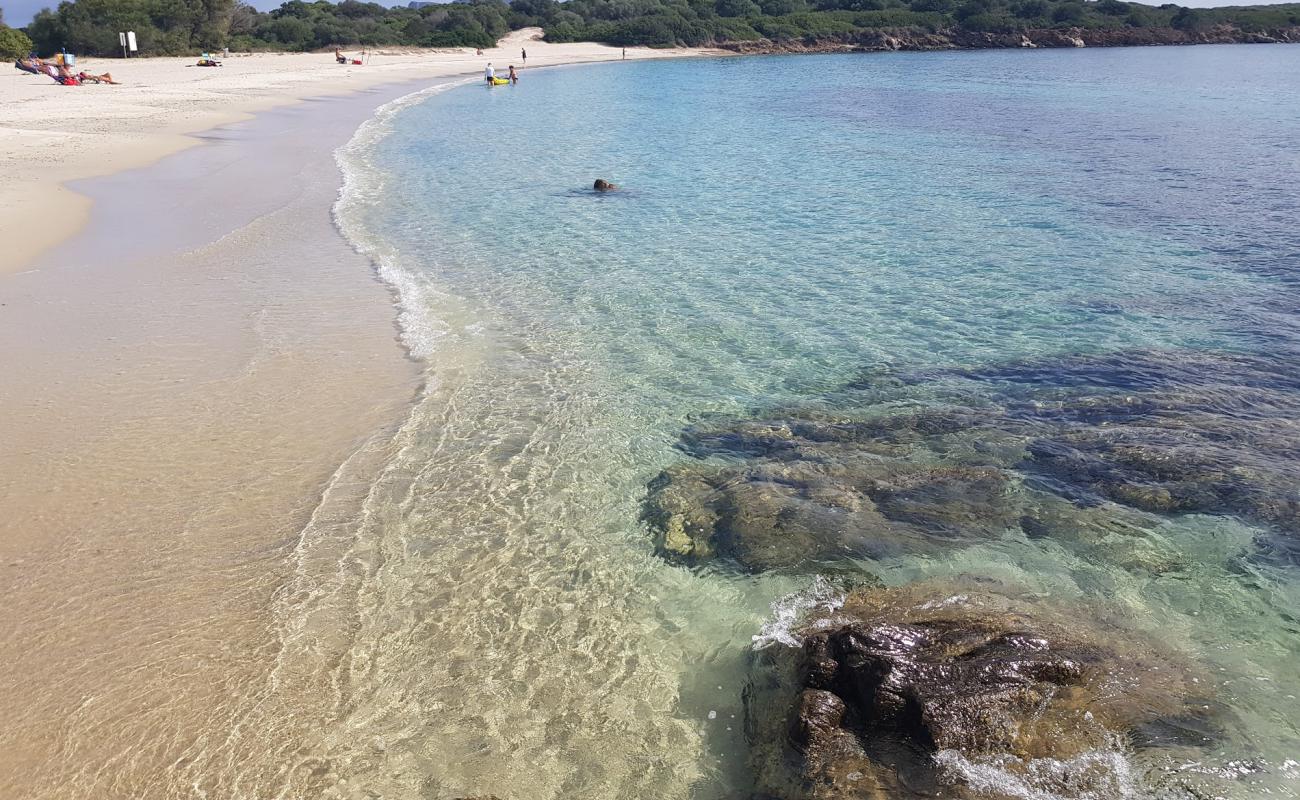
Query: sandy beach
x=198, y=381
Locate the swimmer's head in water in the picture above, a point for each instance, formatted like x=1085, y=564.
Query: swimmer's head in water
x=602, y=185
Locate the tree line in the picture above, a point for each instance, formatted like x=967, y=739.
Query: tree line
x=175, y=27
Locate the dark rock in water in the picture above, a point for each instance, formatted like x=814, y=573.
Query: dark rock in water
x=1161, y=432
x=789, y=434
x=1154, y=469
x=898, y=676
x=763, y=520
x=810, y=515
x=1146, y=371
x=953, y=502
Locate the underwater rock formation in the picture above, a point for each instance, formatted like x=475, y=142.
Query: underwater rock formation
x=807, y=515
x=1160, y=432
x=899, y=684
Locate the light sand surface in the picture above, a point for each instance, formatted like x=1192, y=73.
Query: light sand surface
x=177, y=410
x=50, y=134
x=201, y=380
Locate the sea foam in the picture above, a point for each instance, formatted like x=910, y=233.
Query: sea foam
x=365, y=186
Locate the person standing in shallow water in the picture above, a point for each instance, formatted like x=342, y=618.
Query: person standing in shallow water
x=489, y=73
x=514, y=77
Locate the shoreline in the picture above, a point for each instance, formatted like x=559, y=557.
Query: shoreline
x=204, y=374
x=55, y=135
x=182, y=409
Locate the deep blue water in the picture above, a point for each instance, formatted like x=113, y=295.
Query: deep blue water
x=786, y=229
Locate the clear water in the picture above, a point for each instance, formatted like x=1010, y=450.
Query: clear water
x=500, y=621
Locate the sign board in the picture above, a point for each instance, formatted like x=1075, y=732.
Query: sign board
x=121, y=38
x=130, y=41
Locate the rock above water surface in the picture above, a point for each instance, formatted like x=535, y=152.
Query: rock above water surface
x=899, y=681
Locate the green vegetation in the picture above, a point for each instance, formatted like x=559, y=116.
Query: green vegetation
x=13, y=43
x=697, y=22
x=187, y=26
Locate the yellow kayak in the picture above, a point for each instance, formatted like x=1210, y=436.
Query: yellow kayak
x=500, y=81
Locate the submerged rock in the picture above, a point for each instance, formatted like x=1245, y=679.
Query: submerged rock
x=899, y=681
x=1161, y=432
x=811, y=514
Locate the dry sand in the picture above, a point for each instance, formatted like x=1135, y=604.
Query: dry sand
x=50, y=134
x=203, y=377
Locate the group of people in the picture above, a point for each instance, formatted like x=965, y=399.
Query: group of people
x=61, y=73
x=490, y=75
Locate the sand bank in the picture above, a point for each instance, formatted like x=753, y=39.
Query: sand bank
x=51, y=134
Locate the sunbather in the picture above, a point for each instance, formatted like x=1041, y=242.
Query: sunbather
x=30, y=64
x=107, y=77
x=61, y=74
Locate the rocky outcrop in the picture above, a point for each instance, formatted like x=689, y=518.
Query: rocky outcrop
x=1064, y=446
x=875, y=40
x=1168, y=432
x=891, y=694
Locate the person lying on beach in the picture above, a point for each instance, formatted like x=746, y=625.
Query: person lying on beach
x=30, y=64
x=208, y=62
x=107, y=77
x=60, y=74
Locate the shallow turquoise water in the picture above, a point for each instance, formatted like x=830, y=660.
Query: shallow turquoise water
x=786, y=226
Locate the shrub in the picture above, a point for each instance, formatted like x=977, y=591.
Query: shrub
x=1067, y=13
x=13, y=43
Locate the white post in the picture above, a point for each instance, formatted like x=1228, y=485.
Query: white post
x=130, y=41
x=121, y=38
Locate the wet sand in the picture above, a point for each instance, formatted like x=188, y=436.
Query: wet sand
x=184, y=382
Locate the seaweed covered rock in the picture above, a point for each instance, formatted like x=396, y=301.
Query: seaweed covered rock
x=1158, y=432
x=764, y=519
x=894, y=691
x=814, y=513
x=808, y=494
x=1168, y=432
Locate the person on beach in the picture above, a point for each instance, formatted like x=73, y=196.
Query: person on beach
x=489, y=74
x=514, y=78
x=30, y=64
x=523, y=56
x=107, y=77
x=339, y=57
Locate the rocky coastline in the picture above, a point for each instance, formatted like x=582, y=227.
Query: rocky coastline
x=914, y=39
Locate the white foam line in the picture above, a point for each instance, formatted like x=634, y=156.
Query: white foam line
x=363, y=186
